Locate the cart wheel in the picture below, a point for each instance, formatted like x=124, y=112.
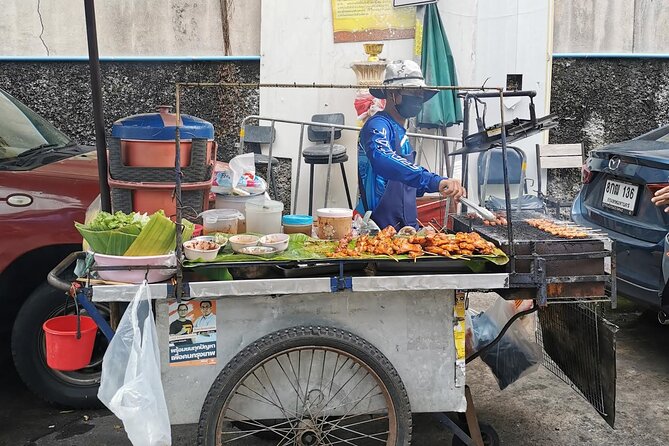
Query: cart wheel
x=307, y=386
x=77, y=389
x=488, y=433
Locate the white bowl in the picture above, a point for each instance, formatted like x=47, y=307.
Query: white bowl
x=240, y=241
x=136, y=275
x=276, y=241
x=262, y=251
x=193, y=250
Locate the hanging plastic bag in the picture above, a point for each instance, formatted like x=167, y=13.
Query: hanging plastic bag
x=130, y=385
x=515, y=355
x=238, y=177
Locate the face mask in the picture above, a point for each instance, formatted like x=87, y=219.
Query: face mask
x=410, y=106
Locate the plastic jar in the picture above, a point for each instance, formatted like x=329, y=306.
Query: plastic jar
x=297, y=224
x=264, y=217
x=333, y=223
x=221, y=220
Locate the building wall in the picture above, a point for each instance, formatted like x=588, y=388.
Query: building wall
x=130, y=28
x=611, y=26
x=601, y=100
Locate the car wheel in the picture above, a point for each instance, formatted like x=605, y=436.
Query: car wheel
x=76, y=389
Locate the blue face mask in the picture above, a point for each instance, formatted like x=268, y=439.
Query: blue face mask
x=410, y=106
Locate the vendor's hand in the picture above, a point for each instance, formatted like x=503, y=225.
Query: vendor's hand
x=661, y=198
x=452, y=188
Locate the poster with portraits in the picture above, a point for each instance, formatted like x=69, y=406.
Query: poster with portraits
x=192, y=332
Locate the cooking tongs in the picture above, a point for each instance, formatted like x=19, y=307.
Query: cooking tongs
x=483, y=212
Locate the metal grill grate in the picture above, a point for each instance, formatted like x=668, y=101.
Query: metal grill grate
x=579, y=348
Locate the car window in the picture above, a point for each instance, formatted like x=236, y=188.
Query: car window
x=21, y=129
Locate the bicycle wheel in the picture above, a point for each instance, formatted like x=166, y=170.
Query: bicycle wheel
x=307, y=386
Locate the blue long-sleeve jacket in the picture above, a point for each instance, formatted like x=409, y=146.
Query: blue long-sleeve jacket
x=384, y=153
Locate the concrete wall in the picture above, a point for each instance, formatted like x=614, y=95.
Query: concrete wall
x=611, y=26
x=129, y=28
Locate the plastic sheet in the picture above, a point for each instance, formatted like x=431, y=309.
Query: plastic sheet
x=515, y=355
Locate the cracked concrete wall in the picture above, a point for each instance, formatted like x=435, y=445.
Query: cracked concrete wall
x=611, y=26
x=601, y=101
x=130, y=28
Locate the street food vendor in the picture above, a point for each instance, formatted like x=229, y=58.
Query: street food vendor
x=389, y=179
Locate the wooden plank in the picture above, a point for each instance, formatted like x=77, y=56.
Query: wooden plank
x=561, y=162
x=559, y=150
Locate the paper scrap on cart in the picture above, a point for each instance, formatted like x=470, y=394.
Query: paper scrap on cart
x=192, y=332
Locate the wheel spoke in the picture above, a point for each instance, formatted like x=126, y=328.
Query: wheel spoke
x=360, y=437
x=359, y=400
x=251, y=422
x=336, y=426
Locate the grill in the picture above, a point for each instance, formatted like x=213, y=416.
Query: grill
x=547, y=267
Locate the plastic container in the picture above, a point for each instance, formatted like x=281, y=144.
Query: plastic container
x=297, y=224
x=147, y=140
x=264, y=217
x=63, y=350
x=237, y=202
x=333, y=223
x=221, y=220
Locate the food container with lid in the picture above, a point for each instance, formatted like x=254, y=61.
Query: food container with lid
x=264, y=217
x=297, y=224
x=221, y=220
x=333, y=223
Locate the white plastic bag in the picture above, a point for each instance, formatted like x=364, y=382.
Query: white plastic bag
x=130, y=385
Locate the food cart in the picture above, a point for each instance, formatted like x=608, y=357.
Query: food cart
x=343, y=350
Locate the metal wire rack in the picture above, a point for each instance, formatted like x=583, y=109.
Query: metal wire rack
x=570, y=334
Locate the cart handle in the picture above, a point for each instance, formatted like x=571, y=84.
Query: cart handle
x=54, y=278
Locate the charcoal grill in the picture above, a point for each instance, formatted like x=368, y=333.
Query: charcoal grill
x=546, y=267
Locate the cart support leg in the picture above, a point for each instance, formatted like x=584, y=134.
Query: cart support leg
x=453, y=427
x=472, y=419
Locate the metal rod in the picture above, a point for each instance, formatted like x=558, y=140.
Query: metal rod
x=269, y=164
x=256, y=85
x=342, y=127
x=327, y=182
x=299, y=168
x=177, y=194
x=95, y=314
x=96, y=93
x=507, y=192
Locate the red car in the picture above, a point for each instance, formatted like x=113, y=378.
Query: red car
x=47, y=181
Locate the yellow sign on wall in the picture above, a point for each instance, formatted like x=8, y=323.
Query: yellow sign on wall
x=369, y=20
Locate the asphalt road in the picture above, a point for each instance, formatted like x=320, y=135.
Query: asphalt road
x=537, y=410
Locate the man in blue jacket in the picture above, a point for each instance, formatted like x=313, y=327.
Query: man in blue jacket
x=390, y=181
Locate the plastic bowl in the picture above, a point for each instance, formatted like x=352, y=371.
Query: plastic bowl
x=261, y=251
x=241, y=241
x=276, y=241
x=193, y=252
x=136, y=275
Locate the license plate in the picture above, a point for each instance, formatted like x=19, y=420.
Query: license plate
x=620, y=196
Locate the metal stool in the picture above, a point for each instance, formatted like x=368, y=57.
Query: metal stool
x=254, y=136
x=320, y=153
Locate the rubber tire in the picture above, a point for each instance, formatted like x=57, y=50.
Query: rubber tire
x=43, y=303
x=281, y=340
x=489, y=434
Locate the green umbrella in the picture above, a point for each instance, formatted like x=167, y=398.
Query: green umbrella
x=438, y=67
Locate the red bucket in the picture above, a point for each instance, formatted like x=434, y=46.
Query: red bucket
x=63, y=350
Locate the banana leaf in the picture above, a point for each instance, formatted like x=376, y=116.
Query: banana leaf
x=113, y=242
x=158, y=237
x=301, y=247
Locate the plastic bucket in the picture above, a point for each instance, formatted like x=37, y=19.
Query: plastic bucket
x=63, y=350
x=264, y=217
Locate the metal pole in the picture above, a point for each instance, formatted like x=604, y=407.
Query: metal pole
x=96, y=90
x=177, y=194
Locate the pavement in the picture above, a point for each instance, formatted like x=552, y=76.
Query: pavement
x=537, y=410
